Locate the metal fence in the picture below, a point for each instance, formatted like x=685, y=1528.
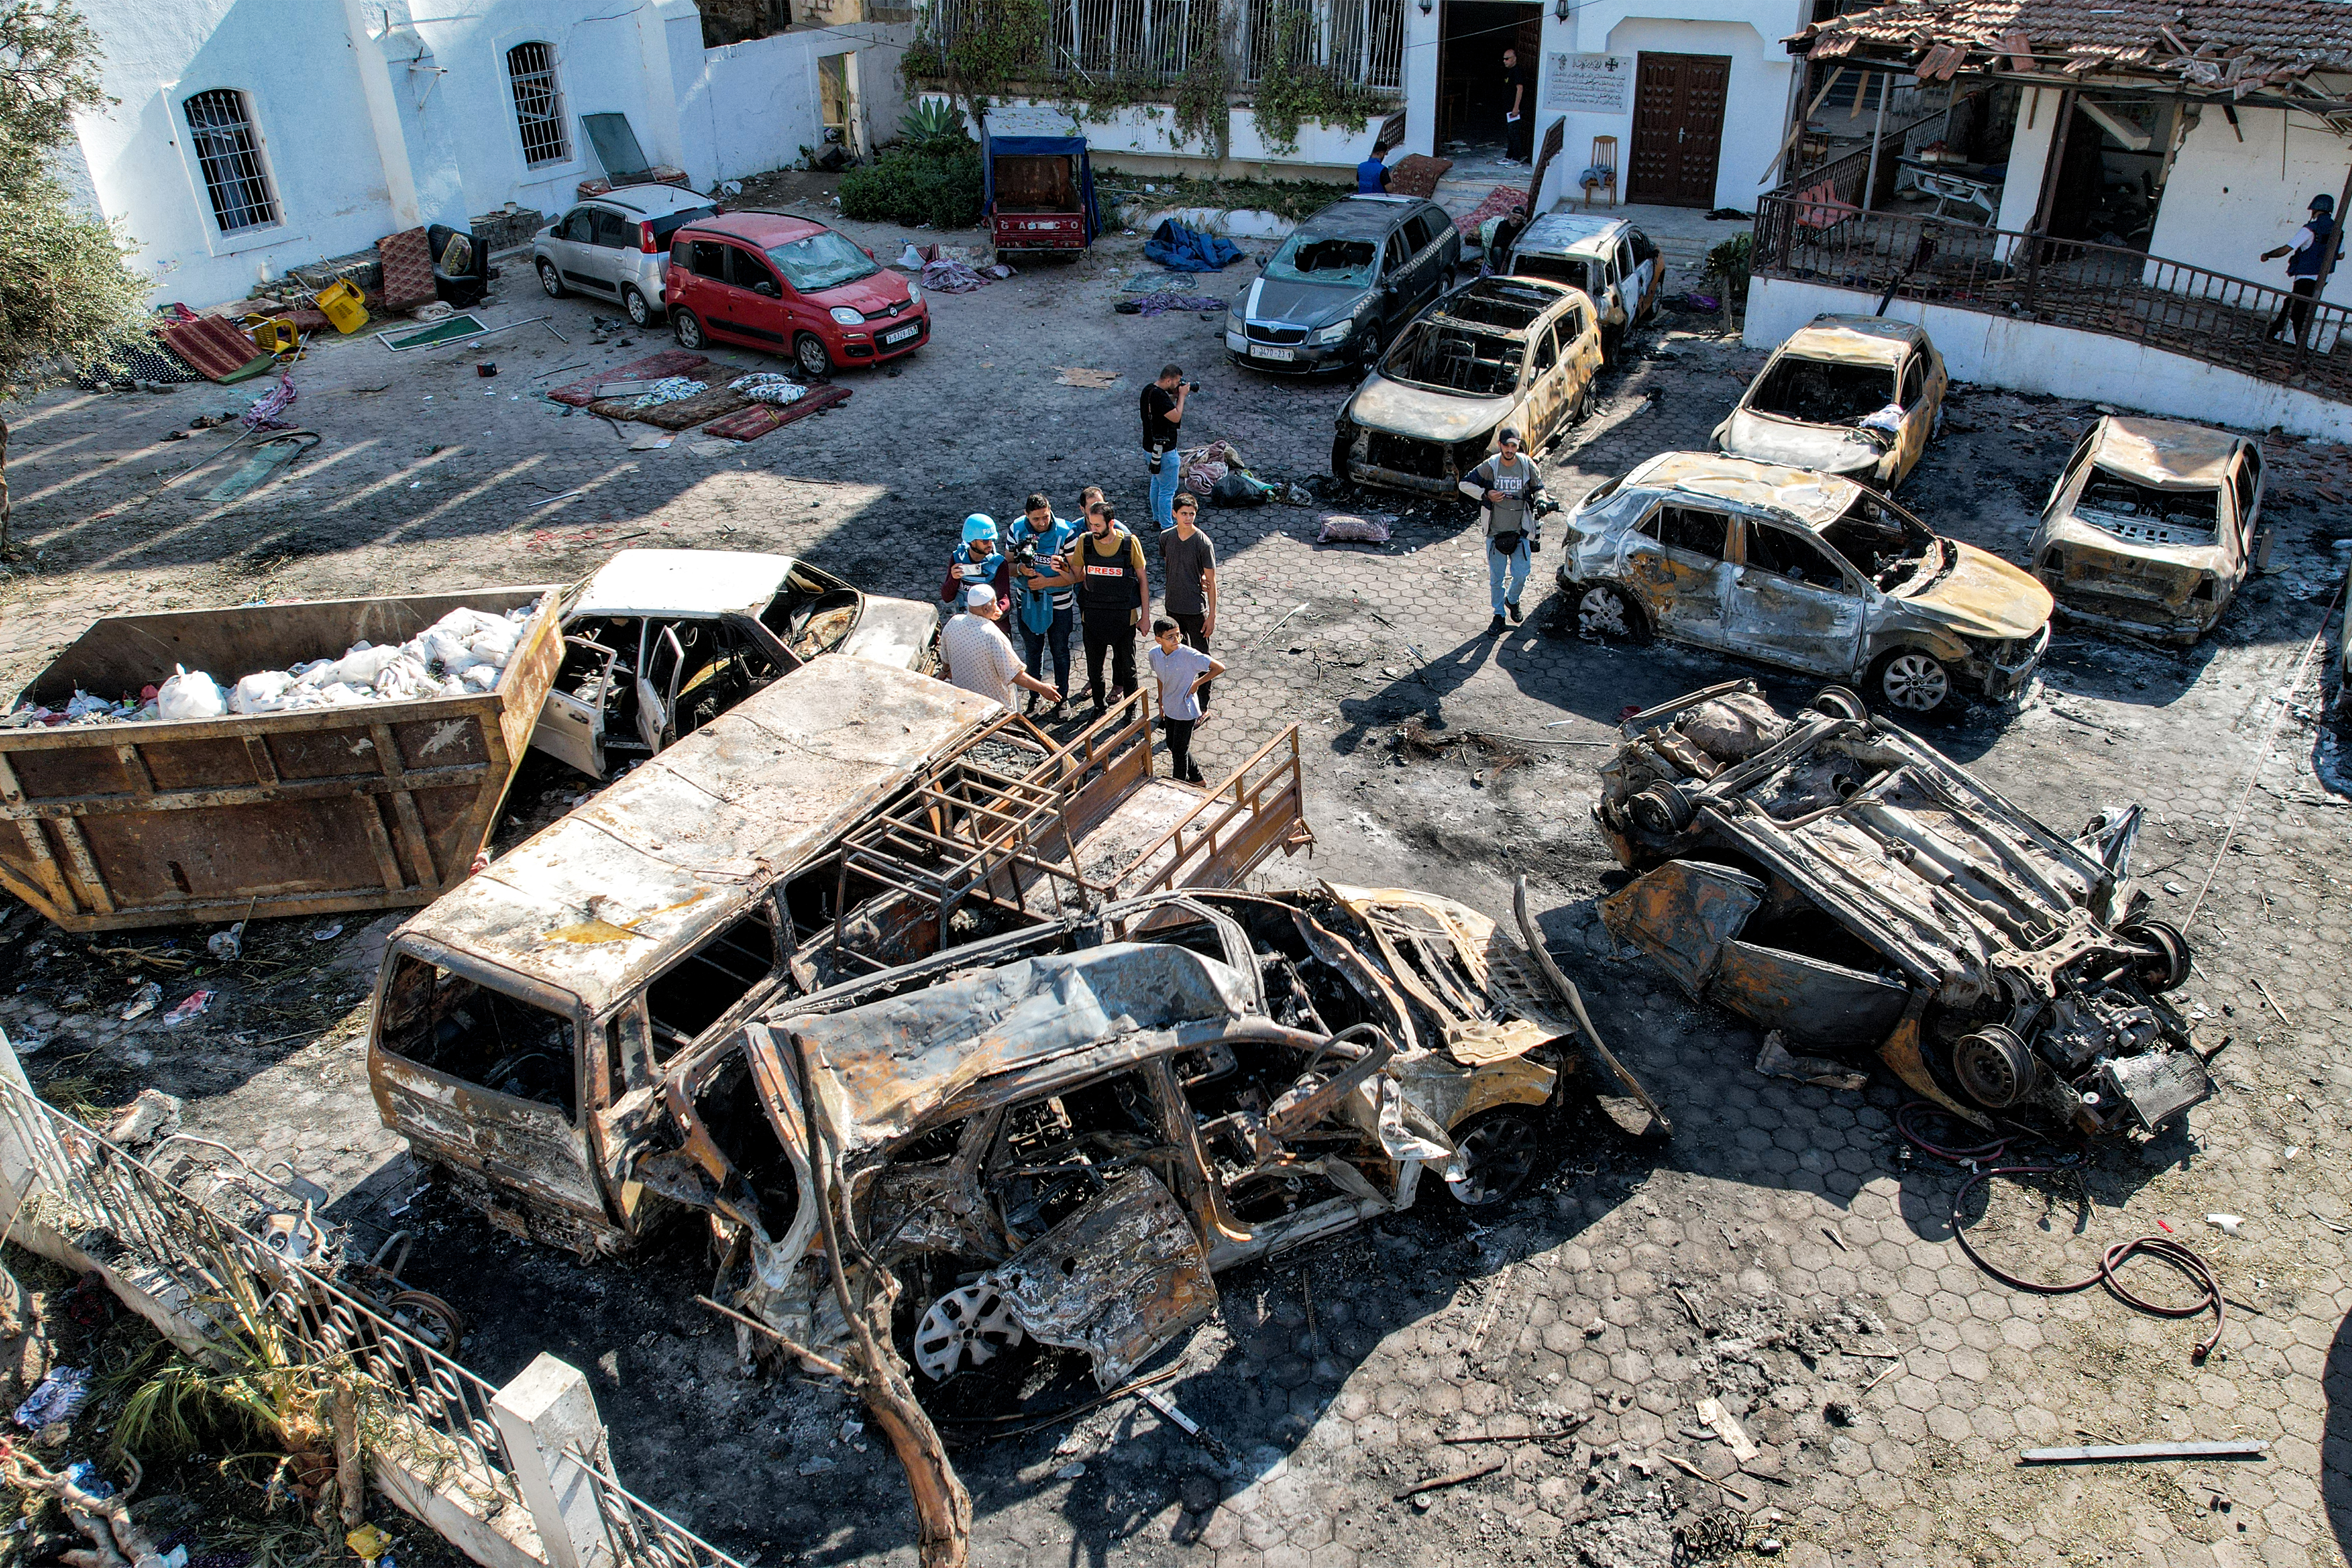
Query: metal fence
x=2115, y=292
x=641, y=1535
x=1153, y=42
x=1358, y=41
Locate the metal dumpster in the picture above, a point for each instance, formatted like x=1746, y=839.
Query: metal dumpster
x=375, y=806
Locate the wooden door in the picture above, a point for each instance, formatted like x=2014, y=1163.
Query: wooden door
x=1677, y=129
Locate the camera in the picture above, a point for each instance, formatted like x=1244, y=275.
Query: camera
x=1022, y=551
x=1192, y=387
x=1546, y=507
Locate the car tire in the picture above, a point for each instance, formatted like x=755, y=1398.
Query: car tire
x=1607, y=612
x=640, y=309
x=1911, y=681
x=1499, y=1148
x=1995, y=1069
x=550, y=280
x=1341, y=445
x=1840, y=702
x=687, y=328
x=809, y=354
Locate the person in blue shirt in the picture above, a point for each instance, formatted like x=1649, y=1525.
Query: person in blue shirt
x=2303, y=270
x=1046, y=613
x=976, y=561
x=1372, y=176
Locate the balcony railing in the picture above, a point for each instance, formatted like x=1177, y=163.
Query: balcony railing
x=2118, y=293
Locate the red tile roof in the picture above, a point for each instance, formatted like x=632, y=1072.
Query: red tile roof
x=2237, y=46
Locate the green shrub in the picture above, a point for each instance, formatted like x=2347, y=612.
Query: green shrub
x=940, y=189
x=1729, y=262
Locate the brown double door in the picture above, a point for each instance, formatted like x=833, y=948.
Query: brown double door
x=1677, y=129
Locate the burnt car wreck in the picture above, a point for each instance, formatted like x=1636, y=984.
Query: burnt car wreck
x=1831, y=877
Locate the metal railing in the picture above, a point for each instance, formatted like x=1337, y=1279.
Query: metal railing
x=1359, y=41
x=2166, y=305
x=1263, y=797
x=641, y=1535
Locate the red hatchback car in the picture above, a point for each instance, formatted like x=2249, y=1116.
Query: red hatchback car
x=792, y=287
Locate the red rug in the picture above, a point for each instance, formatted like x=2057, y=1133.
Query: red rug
x=1499, y=202
x=407, y=262
x=653, y=367
x=750, y=424
x=217, y=350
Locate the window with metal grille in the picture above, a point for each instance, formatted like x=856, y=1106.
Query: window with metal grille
x=539, y=104
x=236, y=176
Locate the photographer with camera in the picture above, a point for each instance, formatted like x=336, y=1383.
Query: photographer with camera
x=974, y=562
x=1164, y=411
x=1047, y=613
x=1511, y=492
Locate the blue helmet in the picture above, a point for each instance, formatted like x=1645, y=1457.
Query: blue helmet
x=978, y=525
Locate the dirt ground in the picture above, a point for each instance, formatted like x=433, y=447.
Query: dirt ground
x=1784, y=1252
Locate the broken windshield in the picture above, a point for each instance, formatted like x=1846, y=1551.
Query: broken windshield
x=1818, y=392
x=2108, y=496
x=1575, y=273
x=1453, y=359
x=1324, y=259
x=820, y=261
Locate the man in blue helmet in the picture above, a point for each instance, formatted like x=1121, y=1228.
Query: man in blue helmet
x=2313, y=243
x=976, y=561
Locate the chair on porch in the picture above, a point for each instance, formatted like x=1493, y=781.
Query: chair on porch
x=1821, y=212
x=1602, y=172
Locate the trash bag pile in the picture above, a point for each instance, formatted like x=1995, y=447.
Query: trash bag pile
x=1183, y=249
x=462, y=654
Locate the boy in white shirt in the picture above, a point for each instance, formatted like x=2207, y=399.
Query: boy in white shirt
x=1181, y=671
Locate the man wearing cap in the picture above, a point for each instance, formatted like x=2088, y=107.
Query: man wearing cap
x=976, y=560
x=976, y=654
x=1507, y=487
x=2303, y=268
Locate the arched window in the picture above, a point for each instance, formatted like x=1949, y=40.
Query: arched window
x=229, y=151
x=539, y=104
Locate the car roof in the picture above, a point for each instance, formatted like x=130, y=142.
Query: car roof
x=1502, y=286
x=1361, y=216
x=653, y=200
x=1569, y=234
x=2164, y=451
x=605, y=898
x=761, y=229
x=683, y=582
x=1814, y=499
x=1854, y=339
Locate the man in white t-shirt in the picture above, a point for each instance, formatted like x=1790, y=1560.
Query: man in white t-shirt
x=1182, y=670
x=976, y=654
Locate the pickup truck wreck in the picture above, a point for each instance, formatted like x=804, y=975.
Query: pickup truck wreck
x=1831, y=877
x=1060, y=1134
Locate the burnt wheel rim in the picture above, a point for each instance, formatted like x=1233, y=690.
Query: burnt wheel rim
x=970, y=1324
x=1601, y=613
x=813, y=356
x=1496, y=1156
x=1914, y=681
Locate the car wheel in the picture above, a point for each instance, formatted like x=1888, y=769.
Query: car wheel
x=1607, y=613
x=2171, y=969
x=1583, y=407
x=966, y=1327
x=1912, y=681
x=640, y=313
x=429, y=1318
x=550, y=280
x=1341, y=447
x=1498, y=1151
x=808, y=353
x=1840, y=702
x=686, y=329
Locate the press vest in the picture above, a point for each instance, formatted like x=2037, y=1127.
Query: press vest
x=2305, y=263
x=1109, y=582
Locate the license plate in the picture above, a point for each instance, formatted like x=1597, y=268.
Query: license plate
x=901, y=335
x=1261, y=351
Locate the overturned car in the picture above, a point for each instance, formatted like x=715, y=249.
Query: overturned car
x=1060, y=1134
x=1829, y=877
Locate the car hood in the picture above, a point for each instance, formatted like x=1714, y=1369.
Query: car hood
x=1299, y=304
x=2161, y=546
x=1823, y=448
x=1384, y=404
x=1983, y=596
x=875, y=291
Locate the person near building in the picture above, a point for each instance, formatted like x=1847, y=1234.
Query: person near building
x=1183, y=674
x=2304, y=277
x=1106, y=566
x=976, y=656
x=1508, y=486
x=1045, y=613
x=976, y=560
x=1164, y=411
x=1372, y=176
x=1519, y=108
x=1188, y=567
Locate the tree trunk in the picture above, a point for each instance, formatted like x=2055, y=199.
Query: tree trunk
x=943, y=1506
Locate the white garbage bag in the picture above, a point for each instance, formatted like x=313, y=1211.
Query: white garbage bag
x=263, y=692
x=190, y=694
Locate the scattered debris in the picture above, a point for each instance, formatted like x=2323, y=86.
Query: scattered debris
x=1079, y=375
x=1727, y=1427
x=2251, y=1449
x=1774, y=1061
x=59, y=1397
x=143, y=1001
x=1455, y=1480
x=1346, y=528
x=190, y=1007
x=2227, y=1224
x=1692, y=1471
x=149, y=1119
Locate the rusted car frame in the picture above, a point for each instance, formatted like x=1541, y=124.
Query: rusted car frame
x=1062, y=1134
x=1859, y=396
x=1829, y=875
x=2151, y=528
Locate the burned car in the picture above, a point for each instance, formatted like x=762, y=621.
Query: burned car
x=1608, y=259
x=1503, y=352
x=1799, y=569
x=658, y=643
x=1855, y=396
x=1343, y=282
x=1061, y=1134
x=1831, y=877
x=2151, y=529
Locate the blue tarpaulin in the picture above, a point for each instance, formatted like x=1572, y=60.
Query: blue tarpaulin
x=995, y=147
x=1181, y=249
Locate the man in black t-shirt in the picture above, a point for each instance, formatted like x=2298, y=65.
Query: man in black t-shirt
x=1164, y=411
x=1519, y=108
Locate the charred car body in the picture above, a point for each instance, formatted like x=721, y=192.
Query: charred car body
x=1800, y=569
x=1833, y=878
x=1853, y=395
x=1061, y=1134
x=1503, y=352
x=1608, y=259
x=2151, y=529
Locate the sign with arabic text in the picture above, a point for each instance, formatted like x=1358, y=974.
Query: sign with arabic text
x=1588, y=84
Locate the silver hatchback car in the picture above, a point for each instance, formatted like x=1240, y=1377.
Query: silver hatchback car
x=616, y=247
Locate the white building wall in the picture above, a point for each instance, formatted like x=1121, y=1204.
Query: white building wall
x=750, y=107
x=2228, y=201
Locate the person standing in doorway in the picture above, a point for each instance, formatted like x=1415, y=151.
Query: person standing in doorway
x=1046, y=614
x=1164, y=411
x=1518, y=110
x=1508, y=486
x=2302, y=268
x=1107, y=567
x=1188, y=565
x=1183, y=674
x=975, y=655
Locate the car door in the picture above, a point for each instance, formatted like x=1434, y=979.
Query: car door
x=1648, y=271
x=610, y=235
x=1918, y=418
x=573, y=246
x=708, y=294
x=1792, y=601
x=661, y=668
x=2246, y=491
x=1540, y=403
x=1429, y=228
x=757, y=297
x=1678, y=560
x=1398, y=303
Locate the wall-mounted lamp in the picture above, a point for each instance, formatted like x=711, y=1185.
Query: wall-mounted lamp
x=1426, y=6
x=1561, y=10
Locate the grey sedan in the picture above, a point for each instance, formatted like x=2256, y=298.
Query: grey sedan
x=1343, y=283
